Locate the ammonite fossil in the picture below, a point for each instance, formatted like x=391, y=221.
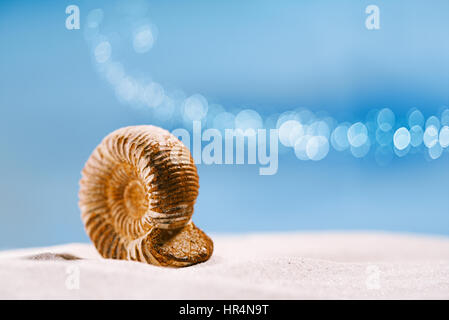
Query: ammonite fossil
x=137, y=193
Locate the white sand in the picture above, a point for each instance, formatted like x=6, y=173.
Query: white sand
x=259, y=266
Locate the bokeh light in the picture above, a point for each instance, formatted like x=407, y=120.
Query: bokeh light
x=114, y=72
x=195, y=107
x=309, y=134
x=403, y=152
x=361, y=151
x=433, y=121
x=94, y=18
x=319, y=128
x=295, y=133
x=154, y=94
x=430, y=137
x=401, y=138
x=224, y=120
x=286, y=129
x=126, y=89
x=445, y=117
x=286, y=116
x=444, y=136
x=416, y=135
x=103, y=52
x=248, y=119
x=384, y=138
x=435, y=151
x=305, y=116
x=143, y=39
x=339, y=137
x=317, y=148
x=213, y=110
x=386, y=119
x=416, y=118
x=301, y=147
x=357, y=134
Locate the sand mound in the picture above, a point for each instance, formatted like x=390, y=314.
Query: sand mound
x=258, y=266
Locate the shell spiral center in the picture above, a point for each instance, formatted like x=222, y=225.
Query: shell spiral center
x=134, y=199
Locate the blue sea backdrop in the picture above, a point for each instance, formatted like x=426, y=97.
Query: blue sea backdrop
x=268, y=56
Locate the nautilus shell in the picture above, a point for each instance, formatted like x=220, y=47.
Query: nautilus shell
x=137, y=193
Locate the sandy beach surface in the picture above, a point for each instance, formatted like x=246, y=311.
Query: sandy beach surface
x=339, y=265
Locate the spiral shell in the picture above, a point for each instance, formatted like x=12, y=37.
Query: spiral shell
x=137, y=193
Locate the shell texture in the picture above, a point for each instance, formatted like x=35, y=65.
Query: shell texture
x=137, y=196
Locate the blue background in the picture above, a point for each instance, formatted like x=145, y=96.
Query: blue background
x=268, y=55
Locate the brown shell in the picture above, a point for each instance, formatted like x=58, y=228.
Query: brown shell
x=137, y=193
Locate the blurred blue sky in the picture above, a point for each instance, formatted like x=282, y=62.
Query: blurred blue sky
x=268, y=55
